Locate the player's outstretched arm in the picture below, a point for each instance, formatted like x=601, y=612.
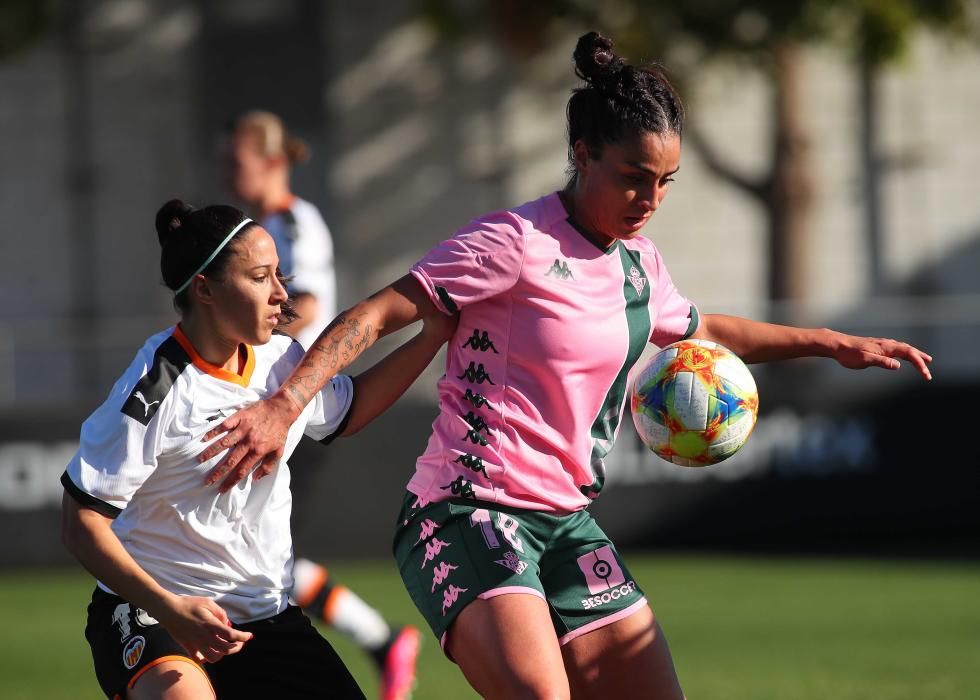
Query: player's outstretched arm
x=198, y=624
x=255, y=436
x=755, y=341
x=378, y=387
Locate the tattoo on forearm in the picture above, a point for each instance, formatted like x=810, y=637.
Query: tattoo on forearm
x=339, y=345
x=298, y=395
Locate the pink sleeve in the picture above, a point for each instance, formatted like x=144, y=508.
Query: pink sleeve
x=676, y=316
x=481, y=260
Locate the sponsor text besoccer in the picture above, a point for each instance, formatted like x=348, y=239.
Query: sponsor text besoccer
x=609, y=596
x=604, y=577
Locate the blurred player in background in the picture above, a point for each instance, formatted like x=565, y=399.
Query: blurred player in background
x=260, y=155
x=191, y=600
x=557, y=299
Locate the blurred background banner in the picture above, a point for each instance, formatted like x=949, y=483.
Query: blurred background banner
x=828, y=179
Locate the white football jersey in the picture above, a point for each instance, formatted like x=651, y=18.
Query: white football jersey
x=305, y=251
x=137, y=463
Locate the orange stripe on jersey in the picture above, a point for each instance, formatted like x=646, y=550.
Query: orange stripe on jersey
x=330, y=604
x=162, y=659
x=285, y=205
x=215, y=371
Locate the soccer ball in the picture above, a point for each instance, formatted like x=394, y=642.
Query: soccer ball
x=694, y=403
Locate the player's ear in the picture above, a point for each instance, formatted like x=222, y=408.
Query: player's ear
x=581, y=154
x=201, y=290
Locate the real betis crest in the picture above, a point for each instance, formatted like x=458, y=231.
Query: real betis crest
x=513, y=562
x=638, y=281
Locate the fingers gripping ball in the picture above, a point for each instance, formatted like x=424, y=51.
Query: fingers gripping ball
x=694, y=403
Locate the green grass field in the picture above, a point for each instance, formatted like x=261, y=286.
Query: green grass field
x=739, y=628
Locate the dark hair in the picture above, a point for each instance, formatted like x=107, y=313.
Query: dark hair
x=619, y=100
x=188, y=236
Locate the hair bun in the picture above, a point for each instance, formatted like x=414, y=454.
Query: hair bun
x=171, y=218
x=595, y=61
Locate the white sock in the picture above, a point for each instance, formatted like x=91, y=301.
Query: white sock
x=355, y=618
x=337, y=605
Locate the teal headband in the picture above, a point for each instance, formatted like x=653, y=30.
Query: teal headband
x=213, y=255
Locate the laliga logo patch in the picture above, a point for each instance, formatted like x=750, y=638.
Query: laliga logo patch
x=133, y=651
x=601, y=570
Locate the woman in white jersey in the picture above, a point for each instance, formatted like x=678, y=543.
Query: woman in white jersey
x=192, y=588
x=260, y=155
x=557, y=299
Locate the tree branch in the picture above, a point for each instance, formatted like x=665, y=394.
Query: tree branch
x=756, y=187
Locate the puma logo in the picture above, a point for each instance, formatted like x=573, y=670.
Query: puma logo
x=146, y=406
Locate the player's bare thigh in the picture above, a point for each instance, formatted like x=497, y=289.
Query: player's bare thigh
x=626, y=659
x=507, y=648
x=174, y=679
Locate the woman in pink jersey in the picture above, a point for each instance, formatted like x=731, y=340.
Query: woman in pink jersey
x=557, y=299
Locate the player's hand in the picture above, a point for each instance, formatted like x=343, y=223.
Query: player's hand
x=254, y=437
x=440, y=327
x=855, y=352
x=202, y=627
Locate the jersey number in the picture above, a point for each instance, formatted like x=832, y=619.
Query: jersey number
x=506, y=524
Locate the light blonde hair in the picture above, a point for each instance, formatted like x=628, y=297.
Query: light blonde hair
x=273, y=139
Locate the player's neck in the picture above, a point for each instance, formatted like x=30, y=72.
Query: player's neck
x=578, y=216
x=210, y=346
x=275, y=199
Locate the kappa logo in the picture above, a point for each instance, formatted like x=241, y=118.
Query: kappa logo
x=476, y=373
x=450, y=596
x=476, y=438
x=560, y=269
x=513, y=562
x=637, y=279
x=472, y=462
x=429, y=527
x=432, y=550
x=476, y=422
x=146, y=404
x=478, y=400
x=480, y=342
x=133, y=651
x=460, y=487
x=439, y=574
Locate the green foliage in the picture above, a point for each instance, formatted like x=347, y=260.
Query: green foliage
x=874, y=30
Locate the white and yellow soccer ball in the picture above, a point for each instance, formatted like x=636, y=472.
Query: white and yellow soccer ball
x=694, y=403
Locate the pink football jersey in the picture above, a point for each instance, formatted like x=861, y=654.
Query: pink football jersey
x=537, y=374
